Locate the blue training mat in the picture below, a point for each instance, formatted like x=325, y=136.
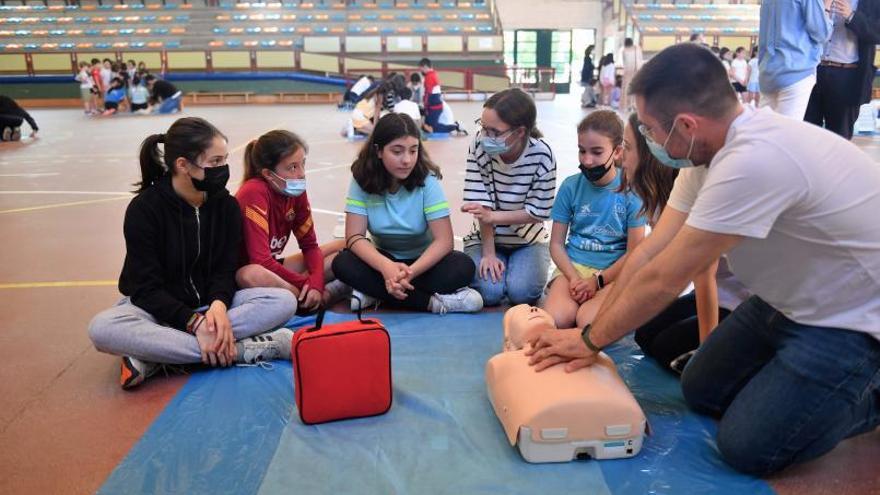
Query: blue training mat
x=237, y=431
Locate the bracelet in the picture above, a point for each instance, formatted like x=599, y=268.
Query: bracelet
x=361, y=238
x=354, y=239
x=585, y=336
x=193, y=322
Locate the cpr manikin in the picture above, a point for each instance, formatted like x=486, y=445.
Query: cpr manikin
x=554, y=416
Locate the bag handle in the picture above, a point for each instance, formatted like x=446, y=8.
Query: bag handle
x=319, y=320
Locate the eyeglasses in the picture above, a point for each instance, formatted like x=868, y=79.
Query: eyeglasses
x=490, y=132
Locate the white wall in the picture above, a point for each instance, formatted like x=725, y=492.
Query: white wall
x=550, y=14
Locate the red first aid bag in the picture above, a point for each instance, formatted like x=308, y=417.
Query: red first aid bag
x=342, y=371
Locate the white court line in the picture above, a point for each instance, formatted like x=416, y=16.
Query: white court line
x=86, y=193
x=31, y=175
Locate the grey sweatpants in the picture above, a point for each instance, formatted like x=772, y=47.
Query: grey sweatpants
x=127, y=330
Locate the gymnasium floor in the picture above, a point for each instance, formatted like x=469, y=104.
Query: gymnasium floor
x=64, y=422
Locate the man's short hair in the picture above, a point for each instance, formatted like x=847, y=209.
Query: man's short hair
x=684, y=78
x=425, y=62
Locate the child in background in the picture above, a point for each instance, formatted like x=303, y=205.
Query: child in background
x=115, y=96
x=602, y=224
x=753, y=97
x=96, y=77
x=617, y=92
x=408, y=106
x=395, y=194
x=106, y=72
x=607, y=78
x=139, y=96
x=418, y=90
x=87, y=89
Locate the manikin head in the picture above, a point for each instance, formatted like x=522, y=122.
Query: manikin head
x=522, y=323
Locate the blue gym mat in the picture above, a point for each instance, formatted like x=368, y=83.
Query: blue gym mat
x=237, y=431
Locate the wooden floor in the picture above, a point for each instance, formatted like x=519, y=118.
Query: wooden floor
x=64, y=422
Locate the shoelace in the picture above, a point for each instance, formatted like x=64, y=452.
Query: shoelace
x=266, y=365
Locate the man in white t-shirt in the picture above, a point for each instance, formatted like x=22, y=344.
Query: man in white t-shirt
x=796, y=368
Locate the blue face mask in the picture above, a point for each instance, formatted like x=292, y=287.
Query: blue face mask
x=663, y=156
x=494, y=145
x=292, y=187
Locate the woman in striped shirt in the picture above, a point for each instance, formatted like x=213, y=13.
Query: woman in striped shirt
x=509, y=190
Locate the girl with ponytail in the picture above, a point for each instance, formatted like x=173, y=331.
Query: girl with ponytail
x=182, y=237
x=275, y=207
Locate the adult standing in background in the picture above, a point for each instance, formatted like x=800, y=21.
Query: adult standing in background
x=631, y=58
x=845, y=76
x=792, y=34
x=588, y=71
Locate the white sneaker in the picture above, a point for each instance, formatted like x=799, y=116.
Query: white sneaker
x=464, y=300
x=365, y=300
x=7, y=134
x=265, y=347
x=16, y=134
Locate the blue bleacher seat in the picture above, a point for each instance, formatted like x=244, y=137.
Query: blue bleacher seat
x=272, y=17
x=126, y=31
x=172, y=44
x=181, y=18
x=57, y=32
x=233, y=43
x=49, y=20
x=136, y=6
x=485, y=29
x=402, y=17
x=66, y=46
x=453, y=29
x=420, y=29
x=137, y=44
x=31, y=46
x=114, y=19
x=387, y=30
x=83, y=20
x=253, y=30
x=105, y=7
x=23, y=32
x=288, y=29
x=149, y=18
x=371, y=17
x=268, y=43
x=466, y=17
x=436, y=17
x=321, y=29
x=219, y=30
x=355, y=29
x=160, y=31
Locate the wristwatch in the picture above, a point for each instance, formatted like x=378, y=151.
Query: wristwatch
x=600, y=279
x=585, y=336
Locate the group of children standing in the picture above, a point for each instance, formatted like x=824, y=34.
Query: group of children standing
x=204, y=280
x=107, y=87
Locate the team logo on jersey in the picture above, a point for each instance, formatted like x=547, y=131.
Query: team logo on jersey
x=290, y=215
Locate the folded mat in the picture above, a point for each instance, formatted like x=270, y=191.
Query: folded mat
x=236, y=431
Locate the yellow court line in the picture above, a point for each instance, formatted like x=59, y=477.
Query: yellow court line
x=71, y=283
x=62, y=205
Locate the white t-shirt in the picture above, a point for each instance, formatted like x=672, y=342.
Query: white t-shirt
x=361, y=85
x=753, y=75
x=740, y=70
x=408, y=107
x=806, y=202
x=85, y=79
x=106, y=77
x=607, y=75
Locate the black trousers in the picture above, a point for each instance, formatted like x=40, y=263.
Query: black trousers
x=833, y=103
x=11, y=121
x=673, y=332
x=452, y=272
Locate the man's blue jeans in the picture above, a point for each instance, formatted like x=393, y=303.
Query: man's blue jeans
x=170, y=105
x=785, y=392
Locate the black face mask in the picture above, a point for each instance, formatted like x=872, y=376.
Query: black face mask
x=215, y=179
x=595, y=174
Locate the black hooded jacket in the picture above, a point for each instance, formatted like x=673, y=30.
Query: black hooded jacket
x=178, y=257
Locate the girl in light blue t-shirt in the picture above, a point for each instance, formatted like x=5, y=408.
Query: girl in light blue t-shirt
x=408, y=259
x=594, y=224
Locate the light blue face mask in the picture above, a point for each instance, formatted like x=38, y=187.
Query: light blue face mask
x=663, y=156
x=494, y=145
x=292, y=187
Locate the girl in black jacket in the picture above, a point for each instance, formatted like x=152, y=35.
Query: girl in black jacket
x=182, y=237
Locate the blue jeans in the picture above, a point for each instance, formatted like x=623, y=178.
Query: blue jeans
x=524, y=278
x=170, y=105
x=786, y=392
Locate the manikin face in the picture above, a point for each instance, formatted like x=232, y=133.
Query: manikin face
x=524, y=323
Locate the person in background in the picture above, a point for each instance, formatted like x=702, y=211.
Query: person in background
x=845, y=77
x=753, y=97
x=139, y=96
x=164, y=96
x=607, y=78
x=631, y=60
x=739, y=69
x=11, y=118
x=87, y=90
x=588, y=79
x=792, y=36
x=115, y=97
